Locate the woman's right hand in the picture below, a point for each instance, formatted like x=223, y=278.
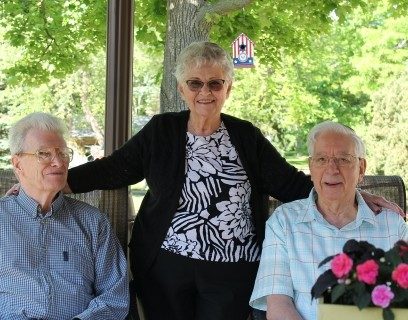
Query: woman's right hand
x=16, y=189
x=13, y=190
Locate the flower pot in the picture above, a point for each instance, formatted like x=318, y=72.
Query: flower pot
x=341, y=312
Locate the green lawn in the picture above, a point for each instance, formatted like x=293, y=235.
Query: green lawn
x=299, y=162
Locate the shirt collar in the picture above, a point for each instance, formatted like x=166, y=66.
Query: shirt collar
x=31, y=207
x=364, y=213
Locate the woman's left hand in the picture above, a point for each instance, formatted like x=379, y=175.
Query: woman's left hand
x=376, y=203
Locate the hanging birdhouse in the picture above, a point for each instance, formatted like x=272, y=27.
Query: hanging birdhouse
x=243, y=52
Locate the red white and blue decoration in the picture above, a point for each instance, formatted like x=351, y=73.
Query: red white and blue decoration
x=243, y=52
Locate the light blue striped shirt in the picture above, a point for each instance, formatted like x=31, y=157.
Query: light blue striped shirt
x=298, y=238
x=65, y=264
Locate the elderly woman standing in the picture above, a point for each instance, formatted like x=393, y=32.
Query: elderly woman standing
x=195, y=247
x=302, y=233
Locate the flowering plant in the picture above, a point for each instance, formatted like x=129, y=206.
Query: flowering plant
x=364, y=275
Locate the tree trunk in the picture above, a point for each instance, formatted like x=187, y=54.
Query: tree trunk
x=84, y=96
x=182, y=29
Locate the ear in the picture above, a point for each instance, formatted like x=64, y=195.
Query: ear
x=229, y=89
x=310, y=168
x=16, y=162
x=362, y=169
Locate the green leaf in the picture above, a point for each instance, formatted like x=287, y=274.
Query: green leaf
x=393, y=257
x=363, y=301
x=337, y=292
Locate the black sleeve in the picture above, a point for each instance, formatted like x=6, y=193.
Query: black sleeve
x=280, y=179
x=123, y=167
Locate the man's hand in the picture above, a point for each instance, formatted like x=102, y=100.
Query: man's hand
x=376, y=203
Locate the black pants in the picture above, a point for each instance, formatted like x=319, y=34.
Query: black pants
x=180, y=288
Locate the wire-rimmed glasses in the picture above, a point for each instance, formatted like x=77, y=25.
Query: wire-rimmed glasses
x=47, y=155
x=346, y=160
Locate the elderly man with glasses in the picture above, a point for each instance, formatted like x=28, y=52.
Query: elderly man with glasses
x=302, y=233
x=59, y=258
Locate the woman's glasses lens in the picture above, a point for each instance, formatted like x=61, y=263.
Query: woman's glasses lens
x=213, y=85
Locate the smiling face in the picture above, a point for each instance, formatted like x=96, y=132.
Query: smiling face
x=332, y=182
x=41, y=180
x=205, y=103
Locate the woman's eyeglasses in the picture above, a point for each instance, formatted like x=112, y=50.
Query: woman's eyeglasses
x=212, y=85
x=47, y=155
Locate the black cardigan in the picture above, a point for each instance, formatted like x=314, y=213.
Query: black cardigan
x=157, y=154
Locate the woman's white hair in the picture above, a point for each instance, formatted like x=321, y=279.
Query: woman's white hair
x=330, y=126
x=37, y=120
x=203, y=52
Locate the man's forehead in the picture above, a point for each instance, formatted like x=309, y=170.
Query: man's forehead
x=334, y=140
x=43, y=139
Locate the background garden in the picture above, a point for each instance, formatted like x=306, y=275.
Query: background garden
x=345, y=61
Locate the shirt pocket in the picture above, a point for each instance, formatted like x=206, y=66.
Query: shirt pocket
x=72, y=264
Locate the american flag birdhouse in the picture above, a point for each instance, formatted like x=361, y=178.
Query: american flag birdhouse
x=243, y=52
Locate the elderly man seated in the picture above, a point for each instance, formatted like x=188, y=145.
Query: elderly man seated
x=302, y=233
x=59, y=258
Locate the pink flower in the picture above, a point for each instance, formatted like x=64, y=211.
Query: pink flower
x=367, y=272
x=382, y=296
x=400, y=275
x=341, y=265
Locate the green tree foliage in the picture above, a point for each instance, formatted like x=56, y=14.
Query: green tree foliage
x=288, y=100
x=60, y=36
x=57, y=36
x=310, y=67
x=78, y=98
x=382, y=48
x=386, y=136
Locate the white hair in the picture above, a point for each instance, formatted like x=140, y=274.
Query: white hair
x=203, y=52
x=37, y=120
x=330, y=126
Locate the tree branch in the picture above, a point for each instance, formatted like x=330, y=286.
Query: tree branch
x=47, y=31
x=221, y=7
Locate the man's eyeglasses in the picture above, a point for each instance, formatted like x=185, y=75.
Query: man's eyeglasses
x=47, y=155
x=212, y=85
x=346, y=160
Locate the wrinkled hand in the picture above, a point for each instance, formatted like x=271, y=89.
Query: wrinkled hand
x=13, y=190
x=376, y=203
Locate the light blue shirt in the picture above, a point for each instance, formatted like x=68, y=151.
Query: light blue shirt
x=62, y=265
x=298, y=238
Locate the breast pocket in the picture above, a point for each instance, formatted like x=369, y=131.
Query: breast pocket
x=73, y=264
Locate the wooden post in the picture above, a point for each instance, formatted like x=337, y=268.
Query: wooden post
x=119, y=66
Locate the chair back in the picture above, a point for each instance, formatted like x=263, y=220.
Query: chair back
x=114, y=203
x=391, y=188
